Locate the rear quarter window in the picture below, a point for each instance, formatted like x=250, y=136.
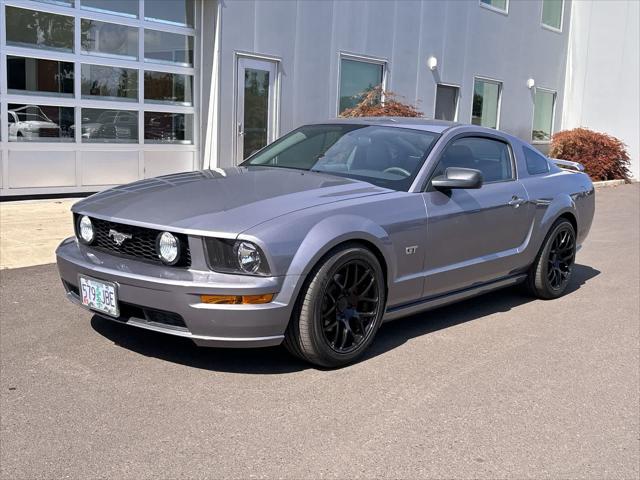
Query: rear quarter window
x=536, y=162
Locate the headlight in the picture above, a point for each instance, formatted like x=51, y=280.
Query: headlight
x=168, y=248
x=248, y=257
x=86, y=233
x=230, y=256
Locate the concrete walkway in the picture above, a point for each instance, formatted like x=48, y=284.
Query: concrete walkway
x=30, y=231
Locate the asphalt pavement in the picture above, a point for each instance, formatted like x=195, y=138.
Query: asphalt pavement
x=501, y=386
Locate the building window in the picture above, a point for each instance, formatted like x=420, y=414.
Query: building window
x=31, y=28
x=112, y=126
x=498, y=5
x=178, y=12
x=109, y=83
x=486, y=103
x=128, y=8
x=358, y=77
x=446, y=102
x=552, y=13
x=40, y=123
x=543, y=109
x=161, y=127
x=37, y=75
x=168, y=87
x=109, y=39
x=166, y=47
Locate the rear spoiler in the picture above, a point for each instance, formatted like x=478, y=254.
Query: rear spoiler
x=568, y=165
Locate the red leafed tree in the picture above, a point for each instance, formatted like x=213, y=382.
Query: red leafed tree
x=377, y=103
x=603, y=156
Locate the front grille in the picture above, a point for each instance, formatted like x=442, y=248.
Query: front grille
x=164, y=318
x=150, y=316
x=141, y=245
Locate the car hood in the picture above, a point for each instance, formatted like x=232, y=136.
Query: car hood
x=221, y=201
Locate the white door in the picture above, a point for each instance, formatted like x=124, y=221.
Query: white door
x=256, y=105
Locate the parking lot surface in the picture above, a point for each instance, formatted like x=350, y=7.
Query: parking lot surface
x=498, y=386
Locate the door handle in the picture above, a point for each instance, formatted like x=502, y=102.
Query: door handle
x=516, y=201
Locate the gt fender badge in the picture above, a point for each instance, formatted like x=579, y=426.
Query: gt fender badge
x=411, y=250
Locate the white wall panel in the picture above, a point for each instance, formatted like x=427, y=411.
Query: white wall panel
x=163, y=162
x=109, y=168
x=39, y=168
x=604, y=72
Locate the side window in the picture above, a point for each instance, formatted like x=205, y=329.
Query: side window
x=491, y=157
x=536, y=162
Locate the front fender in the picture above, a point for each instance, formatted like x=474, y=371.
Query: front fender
x=332, y=231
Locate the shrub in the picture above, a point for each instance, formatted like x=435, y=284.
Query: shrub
x=372, y=105
x=603, y=156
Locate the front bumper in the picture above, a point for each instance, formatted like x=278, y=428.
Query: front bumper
x=144, y=287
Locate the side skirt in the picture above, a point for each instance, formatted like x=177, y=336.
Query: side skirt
x=430, y=303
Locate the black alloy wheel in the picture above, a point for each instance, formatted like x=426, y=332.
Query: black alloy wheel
x=339, y=309
x=561, y=258
x=551, y=272
x=350, y=306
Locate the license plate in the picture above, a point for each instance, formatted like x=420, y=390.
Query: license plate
x=99, y=295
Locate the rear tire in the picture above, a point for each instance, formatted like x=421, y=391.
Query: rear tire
x=551, y=272
x=339, y=309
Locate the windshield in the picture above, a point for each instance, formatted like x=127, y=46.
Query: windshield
x=389, y=157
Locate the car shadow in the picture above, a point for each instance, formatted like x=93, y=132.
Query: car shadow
x=275, y=360
x=394, y=334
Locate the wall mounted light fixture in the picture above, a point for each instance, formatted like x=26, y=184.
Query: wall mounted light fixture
x=432, y=62
x=531, y=83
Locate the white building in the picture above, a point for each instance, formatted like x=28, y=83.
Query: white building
x=100, y=92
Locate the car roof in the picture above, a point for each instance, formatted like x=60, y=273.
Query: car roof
x=415, y=123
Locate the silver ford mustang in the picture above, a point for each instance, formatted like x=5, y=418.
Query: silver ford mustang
x=318, y=238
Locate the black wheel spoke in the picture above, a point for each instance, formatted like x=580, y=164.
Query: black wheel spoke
x=370, y=284
x=345, y=336
x=330, y=325
x=365, y=299
x=329, y=311
x=364, y=276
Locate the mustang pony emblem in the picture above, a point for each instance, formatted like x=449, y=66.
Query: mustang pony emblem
x=119, y=237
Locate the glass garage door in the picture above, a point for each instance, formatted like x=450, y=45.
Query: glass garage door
x=103, y=76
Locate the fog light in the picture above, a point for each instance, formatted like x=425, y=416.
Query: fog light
x=168, y=247
x=85, y=229
x=237, y=299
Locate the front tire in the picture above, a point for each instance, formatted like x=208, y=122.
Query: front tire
x=551, y=273
x=339, y=310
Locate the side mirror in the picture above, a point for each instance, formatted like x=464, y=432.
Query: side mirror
x=456, y=177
